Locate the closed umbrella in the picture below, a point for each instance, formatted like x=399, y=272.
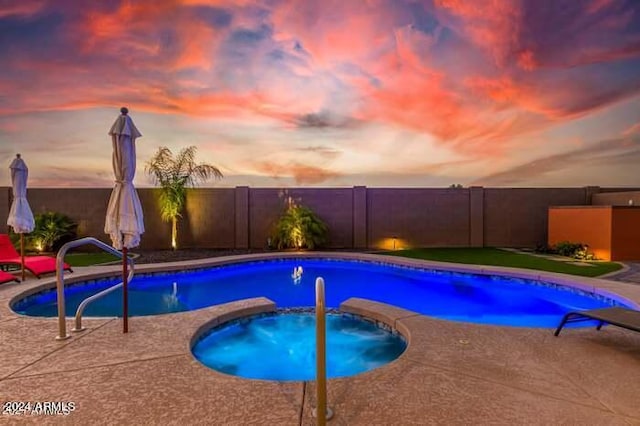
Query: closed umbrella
x=124, y=221
x=20, y=215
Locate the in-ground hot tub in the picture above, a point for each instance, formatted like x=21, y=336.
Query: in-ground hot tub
x=281, y=346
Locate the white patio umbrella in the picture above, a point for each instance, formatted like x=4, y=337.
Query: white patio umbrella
x=20, y=215
x=124, y=221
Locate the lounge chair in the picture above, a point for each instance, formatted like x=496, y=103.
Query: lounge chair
x=37, y=265
x=5, y=277
x=621, y=317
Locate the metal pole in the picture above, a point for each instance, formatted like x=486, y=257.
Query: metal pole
x=22, y=253
x=321, y=365
x=62, y=323
x=125, y=300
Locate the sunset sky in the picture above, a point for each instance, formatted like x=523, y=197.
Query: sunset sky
x=327, y=93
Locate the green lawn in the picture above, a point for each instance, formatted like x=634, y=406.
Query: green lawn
x=497, y=257
x=88, y=259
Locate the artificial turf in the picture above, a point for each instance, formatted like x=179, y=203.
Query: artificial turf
x=89, y=259
x=498, y=257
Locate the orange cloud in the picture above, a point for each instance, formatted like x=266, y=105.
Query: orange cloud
x=415, y=95
x=124, y=30
x=301, y=173
x=527, y=61
x=503, y=90
x=198, y=42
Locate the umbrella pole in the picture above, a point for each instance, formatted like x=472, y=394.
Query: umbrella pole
x=22, y=254
x=125, y=301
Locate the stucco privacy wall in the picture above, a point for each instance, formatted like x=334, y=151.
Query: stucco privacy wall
x=209, y=219
x=627, y=198
x=517, y=217
x=5, y=203
x=418, y=217
x=357, y=217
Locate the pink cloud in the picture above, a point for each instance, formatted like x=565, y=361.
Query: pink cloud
x=597, y=5
x=633, y=130
x=198, y=41
x=533, y=35
x=335, y=31
x=133, y=35
x=491, y=24
x=416, y=95
x=9, y=127
x=477, y=78
x=23, y=8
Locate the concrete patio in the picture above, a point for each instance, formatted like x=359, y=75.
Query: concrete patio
x=452, y=373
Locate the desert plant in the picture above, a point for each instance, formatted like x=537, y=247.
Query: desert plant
x=583, y=253
x=299, y=227
x=51, y=231
x=567, y=248
x=174, y=175
x=575, y=250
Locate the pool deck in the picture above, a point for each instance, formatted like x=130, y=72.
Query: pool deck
x=452, y=373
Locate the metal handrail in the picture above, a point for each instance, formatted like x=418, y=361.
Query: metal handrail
x=62, y=325
x=322, y=412
x=85, y=302
x=321, y=372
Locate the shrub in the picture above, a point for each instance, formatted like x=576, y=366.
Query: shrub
x=583, y=253
x=51, y=231
x=567, y=248
x=298, y=228
x=544, y=249
x=575, y=250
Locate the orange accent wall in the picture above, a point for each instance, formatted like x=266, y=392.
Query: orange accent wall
x=626, y=233
x=611, y=232
x=589, y=225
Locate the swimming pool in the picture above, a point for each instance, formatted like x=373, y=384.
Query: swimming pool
x=447, y=295
x=282, y=346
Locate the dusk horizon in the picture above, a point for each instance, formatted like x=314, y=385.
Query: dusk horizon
x=294, y=93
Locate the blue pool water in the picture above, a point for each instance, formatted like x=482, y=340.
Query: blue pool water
x=446, y=295
x=282, y=347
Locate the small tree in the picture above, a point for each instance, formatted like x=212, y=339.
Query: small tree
x=299, y=228
x=51, y=231
x=174, y=175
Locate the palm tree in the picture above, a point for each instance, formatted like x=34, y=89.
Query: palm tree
x=174, y=175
